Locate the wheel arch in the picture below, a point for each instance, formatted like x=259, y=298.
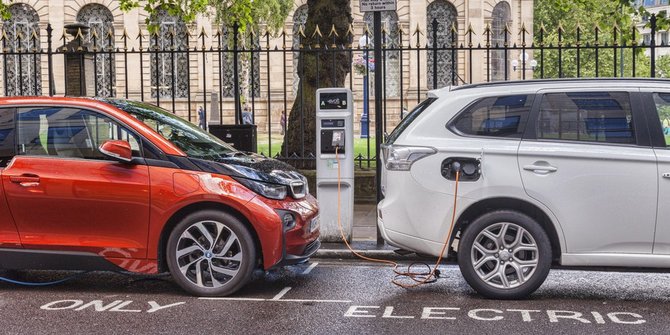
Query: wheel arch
x=196, y=207
x=501, y=203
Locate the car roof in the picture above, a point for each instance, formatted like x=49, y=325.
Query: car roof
x=84, y=102
x=553, y=83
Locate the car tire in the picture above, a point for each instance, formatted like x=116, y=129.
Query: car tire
x=211, y=253
x=504, y=255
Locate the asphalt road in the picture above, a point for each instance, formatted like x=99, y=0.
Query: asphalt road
x=336, y=297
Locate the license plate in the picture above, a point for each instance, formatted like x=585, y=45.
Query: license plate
x=314, y=224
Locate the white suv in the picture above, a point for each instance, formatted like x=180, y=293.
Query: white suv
x=562, y=172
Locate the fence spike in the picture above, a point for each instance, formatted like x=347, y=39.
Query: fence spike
x=453, y=28
x=470, y=30
x=417, y=31
x=317, y=31
x=94, y=34
x=218, y=33
x=3, y=37
x=333, y=31
x=203, y=33
x=543, y=30
x=301, y=32
x=366, y=30
x=350, y=30
x=560, y=28
x=523, y=29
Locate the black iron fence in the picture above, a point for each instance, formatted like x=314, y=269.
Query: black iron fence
x=236, y=76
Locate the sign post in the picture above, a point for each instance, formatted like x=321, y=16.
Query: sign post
x=377, y=6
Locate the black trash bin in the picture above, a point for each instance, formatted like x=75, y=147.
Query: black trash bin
x=240, y=136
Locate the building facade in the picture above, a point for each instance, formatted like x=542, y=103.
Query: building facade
x=190, y=74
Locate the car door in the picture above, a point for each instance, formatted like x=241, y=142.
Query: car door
x=9, y=236
x=65, y=195
x=657, y=102
x=587, y=160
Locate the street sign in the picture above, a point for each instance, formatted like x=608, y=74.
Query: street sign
x=377, y=5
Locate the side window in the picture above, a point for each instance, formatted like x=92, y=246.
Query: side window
x=68, y=132
x=586, y=116
x=662, y=102
x=504, y=116
x=6, y=136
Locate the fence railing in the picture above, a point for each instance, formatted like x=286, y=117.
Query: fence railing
x=232, y=73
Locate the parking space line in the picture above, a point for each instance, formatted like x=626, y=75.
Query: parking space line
x=280, y=300
x=310, y=268
x=232, y=299
x=281, y=293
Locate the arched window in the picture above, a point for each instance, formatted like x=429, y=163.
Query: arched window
x=101, y=35
x=299, y=20
x=392, y=58
x=169, y=61
x=22, y=72
x=244, y=62
x=500, y=19
x=445, y=14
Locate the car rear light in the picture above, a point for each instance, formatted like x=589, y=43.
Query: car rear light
x=401, y=158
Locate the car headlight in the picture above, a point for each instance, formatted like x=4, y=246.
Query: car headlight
x=271, y=191
x=401, y=158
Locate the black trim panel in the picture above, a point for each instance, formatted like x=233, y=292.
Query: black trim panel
x=22, y=259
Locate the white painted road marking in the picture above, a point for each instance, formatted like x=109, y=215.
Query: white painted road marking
x=101, y=306
x=281, y=293
x=310, y=268
x=280, y=300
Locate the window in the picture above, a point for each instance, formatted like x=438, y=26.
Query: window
x=391, y=57
x=662, y=101
x=169, y=60
x=445, y=14
x=500, y=20
x=6, y=136
x=646, y=39
x=22, y=70
x=409, y=119
x=299, y=20
x=664, y=38
x=101, y=21
x=504, y=116
x=68, y=132
x=586, y=116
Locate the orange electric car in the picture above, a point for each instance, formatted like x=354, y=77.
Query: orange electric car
x=110, y=184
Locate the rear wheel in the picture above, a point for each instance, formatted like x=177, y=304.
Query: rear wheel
x=211, y=253
x=504, y=255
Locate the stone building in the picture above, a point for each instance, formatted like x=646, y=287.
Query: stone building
x=184, y=80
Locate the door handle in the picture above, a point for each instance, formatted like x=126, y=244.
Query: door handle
x=26, y=180
x=666, y=175
x=540, y=168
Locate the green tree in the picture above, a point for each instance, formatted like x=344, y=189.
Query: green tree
x=578, y=26
x=300, y=136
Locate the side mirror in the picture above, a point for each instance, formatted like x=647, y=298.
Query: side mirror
x=118, y=150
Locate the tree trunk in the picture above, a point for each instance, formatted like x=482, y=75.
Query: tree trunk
x=317, y=68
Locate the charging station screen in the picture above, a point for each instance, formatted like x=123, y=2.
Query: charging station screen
x=333, y=100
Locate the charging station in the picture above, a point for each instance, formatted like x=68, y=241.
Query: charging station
x=334, y=129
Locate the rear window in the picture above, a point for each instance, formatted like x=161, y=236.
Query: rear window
x=586, y=117
x=502, y=116
x=409, y=119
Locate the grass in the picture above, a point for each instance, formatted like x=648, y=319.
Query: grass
x=360, y=147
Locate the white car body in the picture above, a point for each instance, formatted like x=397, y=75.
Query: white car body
x=602, y=204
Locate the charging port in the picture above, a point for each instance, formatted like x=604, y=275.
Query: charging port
x=470, y=168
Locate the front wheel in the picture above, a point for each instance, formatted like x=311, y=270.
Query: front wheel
x=504, y=255
x=211, y=253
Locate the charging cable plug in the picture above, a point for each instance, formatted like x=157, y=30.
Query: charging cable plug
x=456, y=166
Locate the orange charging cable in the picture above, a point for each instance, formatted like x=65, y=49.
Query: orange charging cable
x=419, y=278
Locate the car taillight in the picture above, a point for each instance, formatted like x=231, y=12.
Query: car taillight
x=401, y=158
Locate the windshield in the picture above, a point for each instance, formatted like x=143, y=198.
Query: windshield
x=192, y=140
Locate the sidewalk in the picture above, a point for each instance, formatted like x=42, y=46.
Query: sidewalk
x=364, y=239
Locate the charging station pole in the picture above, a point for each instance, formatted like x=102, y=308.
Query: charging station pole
x=335, y=133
